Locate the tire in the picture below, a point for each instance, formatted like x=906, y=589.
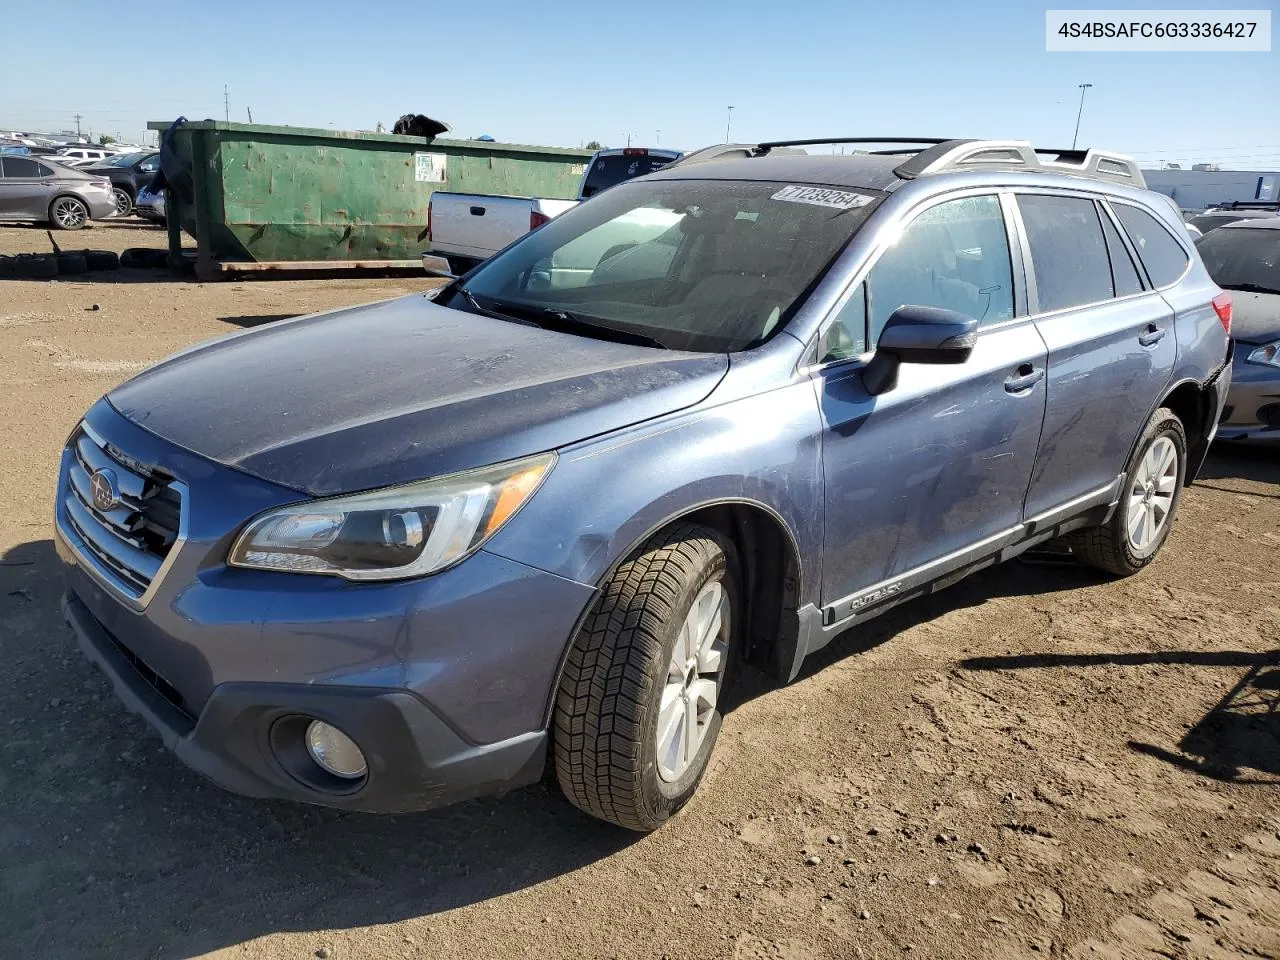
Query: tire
x=6, y=267
x=609, y=708
x=68, y=213
x=102, y=259
x=35, y=266
x=146, y=258
x=123, y=202
x=70, y=264
x=1125, y=543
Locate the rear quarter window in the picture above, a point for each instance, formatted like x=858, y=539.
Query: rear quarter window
x=1163, y=256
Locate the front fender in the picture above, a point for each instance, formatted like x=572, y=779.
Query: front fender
x=607, y=495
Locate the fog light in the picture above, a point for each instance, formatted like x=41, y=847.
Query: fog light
x=335, y=751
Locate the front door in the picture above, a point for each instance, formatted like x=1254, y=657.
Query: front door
x=939, y=464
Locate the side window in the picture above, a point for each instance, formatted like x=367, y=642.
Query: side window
x=847, y=336
x=20, y=167
x=954, y=255
x=43, y=171
x=1124, y=274
x=1068, y=251
x=1163, y=256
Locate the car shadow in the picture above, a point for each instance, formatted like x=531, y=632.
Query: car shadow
x=110, y=847
x=1259, y=462
x=130, y=849
x=1238, y=738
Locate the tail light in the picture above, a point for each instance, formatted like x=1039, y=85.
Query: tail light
x=102, y=184
x=1222, y=307
x=537, y=219
x=635, y=151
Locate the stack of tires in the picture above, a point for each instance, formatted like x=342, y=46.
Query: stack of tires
x=48, y=266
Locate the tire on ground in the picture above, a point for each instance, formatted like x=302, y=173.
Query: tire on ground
x=102, y=259
x=146, y=258
x=70, y=264
x=35, y=266
x=606, y=708
x=1108, y=547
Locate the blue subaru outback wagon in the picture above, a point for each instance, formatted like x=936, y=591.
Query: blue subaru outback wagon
x=389, y=557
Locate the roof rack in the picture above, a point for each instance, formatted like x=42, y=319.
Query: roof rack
x=928, y=155
x=1248, y=205
x=956, y=155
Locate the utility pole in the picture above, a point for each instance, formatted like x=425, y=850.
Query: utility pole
x=249, y=111
x=657, y=137
x=727, y=124
x=628, y=139
x=226, y=103
x=78, y=124
x=1079, y=113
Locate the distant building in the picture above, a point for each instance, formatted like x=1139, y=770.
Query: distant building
x=1199, y=188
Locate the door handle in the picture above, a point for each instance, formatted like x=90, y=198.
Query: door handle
x=477, y=211
x=1026, y=378
x=1153, y=335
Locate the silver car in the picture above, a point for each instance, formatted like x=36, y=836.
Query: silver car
x=36, y=189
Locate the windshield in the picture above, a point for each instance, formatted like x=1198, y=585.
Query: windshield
x=609, y=170
x=1243, y=258
x=707, y=265
x=123, y=160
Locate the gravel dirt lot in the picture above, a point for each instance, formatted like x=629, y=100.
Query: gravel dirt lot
x=1036, y=762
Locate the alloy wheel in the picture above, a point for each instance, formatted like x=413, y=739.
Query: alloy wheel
x=69, y=213
x=694, y=676
x=1151, y=493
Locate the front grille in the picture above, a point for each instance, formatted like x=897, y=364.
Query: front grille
x=132, y=538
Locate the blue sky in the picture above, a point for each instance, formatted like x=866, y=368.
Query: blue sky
x=562, y=74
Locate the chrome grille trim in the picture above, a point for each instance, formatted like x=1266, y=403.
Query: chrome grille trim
x=129, y=548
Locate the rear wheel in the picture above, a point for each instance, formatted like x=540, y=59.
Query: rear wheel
x=638, y=709
x=68, y=213
x=1148, y=502
x=123, y=202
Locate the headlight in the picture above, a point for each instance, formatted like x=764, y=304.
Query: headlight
x=389, y=534
x=1270, y=355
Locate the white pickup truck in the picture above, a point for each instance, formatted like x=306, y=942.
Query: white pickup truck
x=466, y=228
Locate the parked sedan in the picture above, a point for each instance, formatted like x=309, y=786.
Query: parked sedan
x=32, y=189
x=128, y=173
x=1244, y=257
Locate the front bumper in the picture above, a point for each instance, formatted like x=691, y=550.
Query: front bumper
x=416, y=761
x=1253, y=403
x=444, y=682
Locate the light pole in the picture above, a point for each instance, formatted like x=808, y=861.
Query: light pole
x=657, y=137
x=1079, y=113
x=728, y=122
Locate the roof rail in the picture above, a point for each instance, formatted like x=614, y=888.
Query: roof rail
x=930, y=155
x=1248, y=205
x=1021, y=155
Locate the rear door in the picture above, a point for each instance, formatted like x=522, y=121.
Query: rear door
x=937, y=468
x=1110, y=339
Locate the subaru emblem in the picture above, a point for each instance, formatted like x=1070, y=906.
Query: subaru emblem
x=105, y=492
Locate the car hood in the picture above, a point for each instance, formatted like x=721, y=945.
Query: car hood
x=399, y=391
x=1255, y=317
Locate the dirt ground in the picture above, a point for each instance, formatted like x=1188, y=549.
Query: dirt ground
x=1036, y=762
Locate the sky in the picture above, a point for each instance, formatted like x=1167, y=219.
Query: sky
x=659, y=72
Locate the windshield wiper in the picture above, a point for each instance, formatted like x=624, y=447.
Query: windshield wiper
x=478, y=307
x=567, y=321
x=1250, y=288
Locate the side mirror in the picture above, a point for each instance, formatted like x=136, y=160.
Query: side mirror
x=916, y=334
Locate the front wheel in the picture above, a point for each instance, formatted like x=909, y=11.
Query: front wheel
x=638, y=708
x=1148, y=502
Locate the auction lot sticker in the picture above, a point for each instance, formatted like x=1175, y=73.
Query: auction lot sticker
x=822, y=197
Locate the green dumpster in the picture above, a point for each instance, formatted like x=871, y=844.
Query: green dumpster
x=255, y=196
